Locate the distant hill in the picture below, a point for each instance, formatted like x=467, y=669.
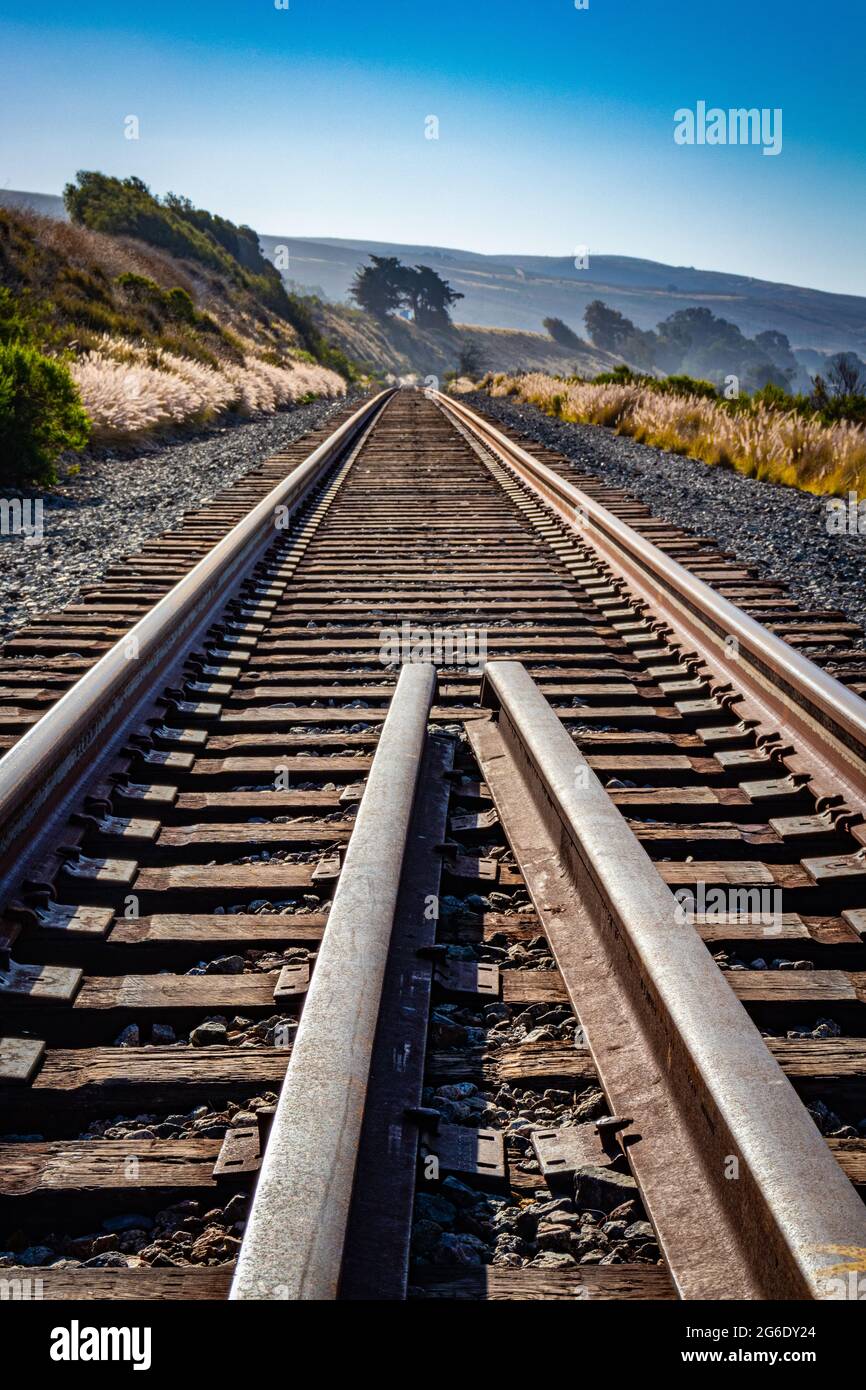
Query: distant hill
x=518, y=292
x=48, y=204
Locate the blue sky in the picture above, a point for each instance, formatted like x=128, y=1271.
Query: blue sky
x=555, y=124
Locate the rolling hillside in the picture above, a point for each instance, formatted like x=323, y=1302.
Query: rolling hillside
x=517, y=292
x=395, y=347
x=520, y=291
x=168, y=330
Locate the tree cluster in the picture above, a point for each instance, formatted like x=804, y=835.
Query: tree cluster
x=386, y=285
x=562, y=334
x=699, y=353
x=126, y=207
x=696, y=343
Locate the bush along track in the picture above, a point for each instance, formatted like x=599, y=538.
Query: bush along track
x=40, y=408
x=761, y=437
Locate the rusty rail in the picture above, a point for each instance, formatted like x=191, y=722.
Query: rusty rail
x=776, y=689
x=746, y=1198
x=293, y=1244
x=44, y=769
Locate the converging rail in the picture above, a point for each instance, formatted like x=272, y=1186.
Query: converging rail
x=296, y=1234
x=47, y=762
x=425, y=874
x=778, y=692
x=654, y=1006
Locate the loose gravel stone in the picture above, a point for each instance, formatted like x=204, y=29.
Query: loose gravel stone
x=115, y=504
x=520, y=1230
x=129, y=1037
x=176, y=1236
x=209, y=1034
x=36, y=1255
x=602, y=1189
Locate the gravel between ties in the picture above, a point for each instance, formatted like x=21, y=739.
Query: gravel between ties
x=779, y=529
x=114, y=505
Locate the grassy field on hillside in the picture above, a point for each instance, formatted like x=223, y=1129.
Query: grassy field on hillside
x=179, y=324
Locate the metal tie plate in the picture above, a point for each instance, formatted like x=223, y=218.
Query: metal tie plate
x=240, y=1153
x=294, y=980
x=464, y=866
x=835, y=867
x=468, y=977
x=474, y=1153
x=560, y=1152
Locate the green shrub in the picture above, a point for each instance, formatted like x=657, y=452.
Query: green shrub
x=40, y=415
x=329, y=355
x=179, y=306
x=683, y=385
x=680, y=385
x=622, y=375
x=69, y=309
x=13, y=328
x=138, y=287
x=82, y=282
x=562, y=334
x=188, y=345
x=206, y=324
x=174, y=304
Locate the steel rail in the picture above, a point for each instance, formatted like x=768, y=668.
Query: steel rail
x=777, y=689
x=676, y=1051
x=45, y=767
x=377, y=1252
x=295, y=1235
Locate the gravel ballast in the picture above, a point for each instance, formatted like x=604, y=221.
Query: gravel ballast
x=115, y=504
x=779, y=529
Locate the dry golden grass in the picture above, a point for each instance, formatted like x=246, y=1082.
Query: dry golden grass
x=130, y=392
x=773, y=445
x=113, y=255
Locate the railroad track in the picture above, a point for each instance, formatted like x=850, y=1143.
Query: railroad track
x=580, y=800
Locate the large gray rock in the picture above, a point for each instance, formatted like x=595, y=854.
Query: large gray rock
x=602, y=1189
x=209, y=1034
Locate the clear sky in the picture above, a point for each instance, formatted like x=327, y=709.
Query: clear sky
x=555, y=124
